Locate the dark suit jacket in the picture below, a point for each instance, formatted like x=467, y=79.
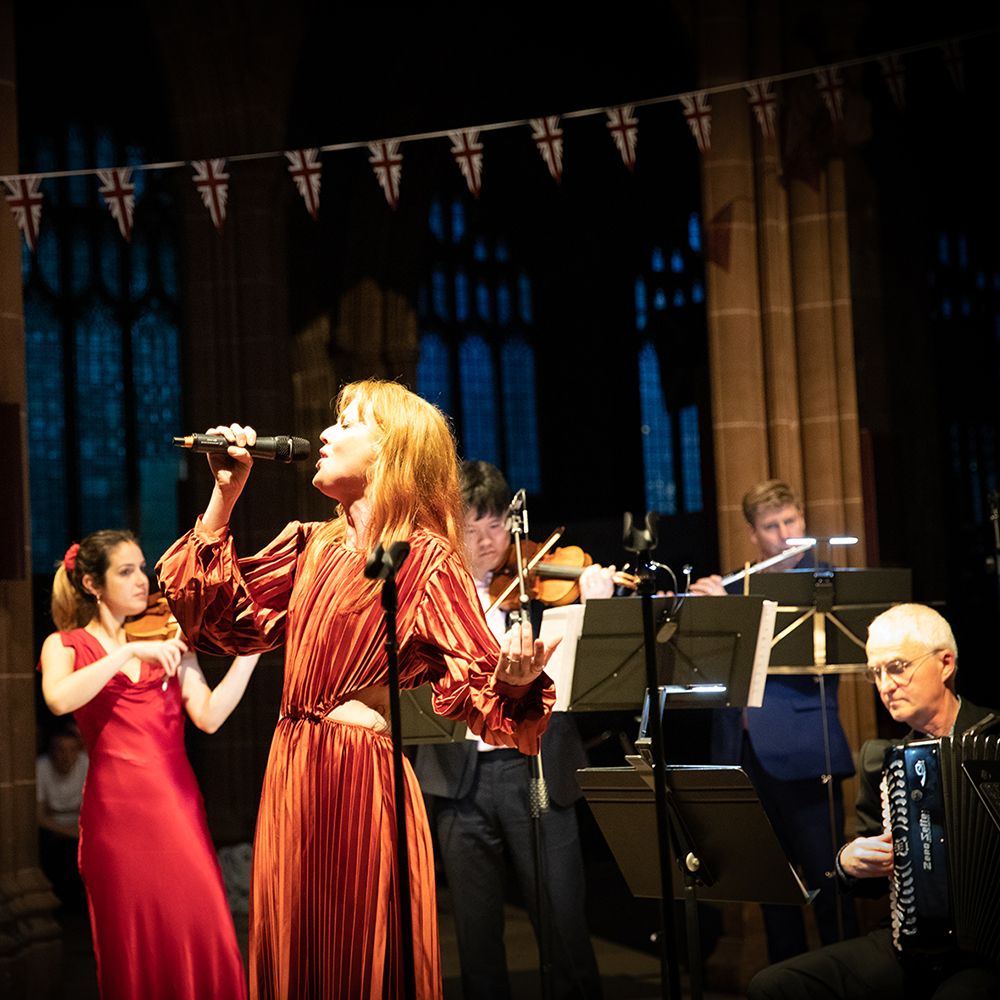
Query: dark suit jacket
x=448, y=769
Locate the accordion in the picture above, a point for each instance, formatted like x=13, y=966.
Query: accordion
x=941, y=800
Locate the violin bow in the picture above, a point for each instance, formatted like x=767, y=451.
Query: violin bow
x=543, y=550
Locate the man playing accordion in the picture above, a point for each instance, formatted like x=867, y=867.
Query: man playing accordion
x=912, y=659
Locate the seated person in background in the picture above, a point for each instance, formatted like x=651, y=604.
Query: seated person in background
x=781, y=746
x=481, y=805
x=912, y=658
x=59, y=778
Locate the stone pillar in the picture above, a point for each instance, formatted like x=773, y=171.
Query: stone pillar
x=735, y=338
x=229, y=72
x=827, y=393
x=30, y=942
x=781, y=347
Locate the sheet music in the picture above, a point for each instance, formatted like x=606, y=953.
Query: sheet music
x=566, y=621
x=762, y=654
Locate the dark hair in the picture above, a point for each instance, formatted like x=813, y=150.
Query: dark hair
x=484, y=489
x=72, y=604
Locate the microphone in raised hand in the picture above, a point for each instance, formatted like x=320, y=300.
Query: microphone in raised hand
x=281, y=448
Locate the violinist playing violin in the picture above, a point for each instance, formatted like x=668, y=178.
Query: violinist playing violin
x=481, y=802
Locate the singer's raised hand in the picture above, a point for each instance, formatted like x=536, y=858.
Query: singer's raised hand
x=230, y=472
x=522, y=656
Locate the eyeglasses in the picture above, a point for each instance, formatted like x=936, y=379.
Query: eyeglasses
x=896, y=669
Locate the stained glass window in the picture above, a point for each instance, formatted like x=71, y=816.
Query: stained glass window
x=477, y=361
x=669, y=309
x=101, y=340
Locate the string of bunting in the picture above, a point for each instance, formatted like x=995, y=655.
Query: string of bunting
x=211, y=178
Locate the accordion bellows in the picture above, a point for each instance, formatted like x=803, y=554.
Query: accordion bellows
x=941, y=800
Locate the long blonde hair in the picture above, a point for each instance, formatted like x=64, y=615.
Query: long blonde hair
x=414, y=479
x=72, y=604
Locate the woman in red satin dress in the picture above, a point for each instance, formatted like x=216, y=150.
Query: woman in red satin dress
x=323, y=915
x=161, y=926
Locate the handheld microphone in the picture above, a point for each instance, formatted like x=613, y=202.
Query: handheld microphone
x=278, y=449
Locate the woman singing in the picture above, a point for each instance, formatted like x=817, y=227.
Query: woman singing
x=158, y=913
x=324, y=917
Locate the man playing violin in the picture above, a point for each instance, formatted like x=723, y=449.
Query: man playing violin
x=780, y=745
x=481, y=808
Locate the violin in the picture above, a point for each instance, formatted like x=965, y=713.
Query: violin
x=551, y=574
x=156, y=622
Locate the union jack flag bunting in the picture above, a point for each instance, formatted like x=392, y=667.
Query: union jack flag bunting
x=698, y=113
x=764, y=102
x=831, y=89
x=25, y=201
x=895, y=77
x=624, y=128
x=468, y=153
x=387, y=161
x=212, y=182
x=118, y=192
x=305, y=168
x=548, y=137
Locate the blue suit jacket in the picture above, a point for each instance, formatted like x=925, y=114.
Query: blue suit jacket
x=786, y=732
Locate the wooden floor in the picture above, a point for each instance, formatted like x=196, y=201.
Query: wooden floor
x=626, y=973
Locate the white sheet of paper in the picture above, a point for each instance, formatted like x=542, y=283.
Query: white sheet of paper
x=762, y=654
x=566, y=622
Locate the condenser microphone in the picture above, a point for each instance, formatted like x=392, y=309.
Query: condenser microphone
x=278, y=449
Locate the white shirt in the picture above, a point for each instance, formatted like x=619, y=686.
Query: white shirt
x=62, y=794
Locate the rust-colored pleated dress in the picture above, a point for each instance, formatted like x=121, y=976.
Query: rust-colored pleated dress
x=323, y=918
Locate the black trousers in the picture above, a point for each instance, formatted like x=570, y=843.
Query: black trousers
x=799, y=811
x=473, y=834
x=869, y=967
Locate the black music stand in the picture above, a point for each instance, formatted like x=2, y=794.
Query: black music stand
x=707, y=652
x=724, y=848
x=421, y=724
x=706, y=655
x=823, y=614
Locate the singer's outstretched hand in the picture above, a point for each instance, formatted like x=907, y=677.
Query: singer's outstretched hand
x=230, y=472
x=522, y=656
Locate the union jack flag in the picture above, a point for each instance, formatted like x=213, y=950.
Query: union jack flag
x=764, y=102
x=548, y=137
x=831, y=89
x=305, y=168
x=118, y=192
x=624, y=129
x=468, y=153
x=212, y=182
x=25, y=202
x=895, y=77
x=387, y=161
x=698, y=113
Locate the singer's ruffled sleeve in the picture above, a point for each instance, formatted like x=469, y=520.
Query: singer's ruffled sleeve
x=457, y=649
x=226, y=605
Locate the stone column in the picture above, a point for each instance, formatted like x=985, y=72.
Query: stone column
x=30, y=942
x=736, y=356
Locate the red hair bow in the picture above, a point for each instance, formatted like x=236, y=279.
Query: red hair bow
x=69, y=560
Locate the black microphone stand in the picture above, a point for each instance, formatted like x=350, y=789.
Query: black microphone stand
x=640, y=542
x=538, y=795
x=383, y=565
